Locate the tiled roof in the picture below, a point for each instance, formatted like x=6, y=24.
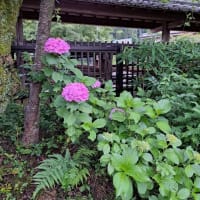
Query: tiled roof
x=173, y=5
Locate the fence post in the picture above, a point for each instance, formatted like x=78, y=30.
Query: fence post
x=119, y=72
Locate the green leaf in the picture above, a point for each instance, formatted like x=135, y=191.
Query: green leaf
x=47, y=71
x=61, y=112
x=150, y=130
x=168, y=186
x=116, y=148
x=77, y=72
x=123, y=186
x=152, y=197
x=173, y=140
x=125, y=161
x=51, y=59
x=171, y=155
x=92, y=135
x=189, y=152
x=150, y=112
x=118, y=116
x=196, y=196
x=138, y=173
x=106, y=148
x=87, y=126
x=164, y=126
x=105, y=159
x=183, y=193
x=88, y=80
x=189, y=171
x=69, y=119
x=163, y=106
x=161, y=141
x=59, y=101
x=135, y=116
x=125, y=100
x=56, y=76
x=196, y=169
x=99, y=123
x=110, y=169
x=148, y=157
x=84, y=117
x=71, y=131
x=142, y=187
x=197, y=182
x=85, y=107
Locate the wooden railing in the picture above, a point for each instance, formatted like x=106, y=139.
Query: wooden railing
x=95, y=59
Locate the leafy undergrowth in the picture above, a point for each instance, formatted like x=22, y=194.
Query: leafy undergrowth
x=18, y=166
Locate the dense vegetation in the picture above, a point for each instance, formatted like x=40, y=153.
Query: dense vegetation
x=172, y=71
x=145, y=146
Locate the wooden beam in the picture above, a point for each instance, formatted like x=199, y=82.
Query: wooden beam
x=165, y=33
x=93, y=20
x=171, y=25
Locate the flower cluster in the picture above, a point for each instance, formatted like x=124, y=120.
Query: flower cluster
x=57, y=46
x=97, y=84
x=115, y=110
x=76, y=92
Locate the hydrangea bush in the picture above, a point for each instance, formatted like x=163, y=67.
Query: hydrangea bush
x=139, y=150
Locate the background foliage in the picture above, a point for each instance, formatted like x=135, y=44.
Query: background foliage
x=172, y=71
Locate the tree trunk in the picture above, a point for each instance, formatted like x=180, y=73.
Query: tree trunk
x=9, y=81
x=32, y=113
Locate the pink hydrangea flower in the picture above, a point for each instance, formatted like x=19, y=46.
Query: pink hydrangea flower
x=97, y=84
x=57, y=46
x=76, y=92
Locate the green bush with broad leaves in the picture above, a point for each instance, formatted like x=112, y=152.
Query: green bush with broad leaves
x=171, y=71
x=144, y=157
x=138, y=147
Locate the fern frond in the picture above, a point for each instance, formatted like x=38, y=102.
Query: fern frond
x=51, y=172
x=74, y=177
x=83, y=155
x=63, y=170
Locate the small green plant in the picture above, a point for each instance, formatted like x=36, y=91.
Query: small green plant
x=66, y=171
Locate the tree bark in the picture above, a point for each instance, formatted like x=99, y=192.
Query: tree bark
x=9, y=80
x=32, y=112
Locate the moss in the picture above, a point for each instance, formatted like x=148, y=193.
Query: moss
x=9, y=10
x=4, y=88
x=9, y=82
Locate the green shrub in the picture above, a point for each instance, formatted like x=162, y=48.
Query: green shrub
x=172, y=71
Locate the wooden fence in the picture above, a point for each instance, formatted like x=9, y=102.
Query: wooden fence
x=95, y=59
